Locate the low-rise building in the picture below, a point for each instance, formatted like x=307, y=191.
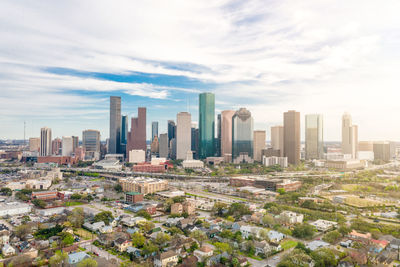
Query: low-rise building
x=204, y=252
x=316, y=244
x=323, y=225
x=133, y=197
x=122, y=244
x=192, y=164
x=77, y=257
x=143, y=185
x=94, y=227
x=176, y=208
x=345, y=164
x=290, y=217
x=7, y=250
x=271, y=161
x=166, y=259
x=14, y=208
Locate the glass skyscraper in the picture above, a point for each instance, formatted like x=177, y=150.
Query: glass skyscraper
x=154, y=130
x=242, y=133
x=124, y=134
x=115, y=125
x=314, y=137
x=206, y=124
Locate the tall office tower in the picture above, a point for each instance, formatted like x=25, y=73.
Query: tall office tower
x=155, y=145
x=172, y=148
x=91, y=143
x=34, y=144
x=291, y=136
x=242, y=133
x=45, y=141
x=195, y=141
x=67, y=146
x=366, y=146
x=56, y=146
x=154, y=130
x=258, y=144
x=206, y=124
x=277, y=141
x=226, y=132
x=171, y=130
x=137, y=134
x=382, y=150
x=124, y=133
x=75, y=143
x=183, y=134
x=314, y=136
x=115, y=125
x=163, y=146
x=349, y=136
x=217, y=142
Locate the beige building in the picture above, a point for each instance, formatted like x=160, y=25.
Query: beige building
x=314, y=136
x=183, y=134
x=277, y=141
x=382, y=150
x=344, y=165
x=291, y=136
x=34, y=144
x=67, y=146
x=365, y=146
x=258, y=144
x=137, y=156
x=45, y=141
x=226, y=132
x=176, y=208
x=166, y=259
x=189, y=206
x=143, y=185
x=349, y=136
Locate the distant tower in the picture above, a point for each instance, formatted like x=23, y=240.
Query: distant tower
x=115, y=125
x=67, y=146
x=314, y=136
x=349, y=136
x=226, y=132
x=183, y=134
x=259, y=144
x=206, y=124
x=137, y=134
x=45, y=141
x=154, y=130
x=291, y=136
x=277, y=141
x=242, y=133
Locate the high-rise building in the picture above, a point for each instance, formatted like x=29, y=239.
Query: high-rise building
x=349, y=136
x=183, y=134
x=124, y=133
x=34, y=144
x=366, y=146
x=115, y=125
x=56, y=146
x=291, y=136
x=172, y=148
x=137, y=134
x=217, y=142
x=171, y=130
x=206, y=124
x=67, y=146
x=226, y=132
x=277, y=141
x=75, y=143
x=154, y=130
x=163, y=146
x=155, y=145
x=91, y=144
x=382, y=150
x=195, y=142
x=314, y=136
x=242, y=133
x=45, y=141
x=258, y=144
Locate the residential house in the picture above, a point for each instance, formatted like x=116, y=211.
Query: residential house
x=184, y=223
x=323, y=225
x=106, y=229
x=74, y=258
x=134, y=251
x=289, y=217
x=237, y=225
x=275, y=236
x=359, y=257
x=94, y=227
x=378, y=245
x=395, y=244
x=262, y=247
x=316, y=244
x=166, y=259
x=176, y=208
x=8, y=250
x=204, y=252
x=122, y=244
x=173, y=221
x=189, y=262
x=359, y=236
x=248, y=230
x=181, y=243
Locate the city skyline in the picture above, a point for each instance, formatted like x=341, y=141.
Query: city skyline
x=266, y=56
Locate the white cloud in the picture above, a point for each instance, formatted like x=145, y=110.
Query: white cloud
x=313, y=56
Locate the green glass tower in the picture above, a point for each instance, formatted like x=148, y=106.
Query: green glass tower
x=206, y=124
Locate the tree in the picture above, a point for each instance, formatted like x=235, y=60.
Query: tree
x=22, y=230
x=144, y=214
x=162, y=238
x=223, y=247
x=138, y=240
x=76, y=196
x=268, y=220
x=105, y=216
x=149, y=248
x=5, y=191
x=296, y=258
x=77, y=217
x=67, y=239
x=58, y=258
x=89, y=198
x=146, y=226
x=118, y=188
x=218, y=208
x=226, y=234
x=200, y=236
x=303, y=231
x=237, y=210
x=344, y=230
x=281, y=191
x=264, y=234
x=332, y=237
x=39, y=203
x=175, y=230
x=323, y=257
x=88, y=262
x=193, y=247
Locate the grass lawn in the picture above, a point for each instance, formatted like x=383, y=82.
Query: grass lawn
x=73, y=203
x=288, y=244
x=84, y=233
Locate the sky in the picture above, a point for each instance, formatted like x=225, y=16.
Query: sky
x=60, y=61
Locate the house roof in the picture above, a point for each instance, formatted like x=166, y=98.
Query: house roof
x=77, y=257
x=206, y=249
x=120, y=241
x=166, y=255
